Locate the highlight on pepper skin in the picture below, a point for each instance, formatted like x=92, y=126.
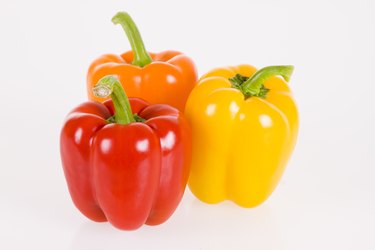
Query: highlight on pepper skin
x=244, y=124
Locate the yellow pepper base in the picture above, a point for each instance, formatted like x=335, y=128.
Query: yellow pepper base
x=240, y=147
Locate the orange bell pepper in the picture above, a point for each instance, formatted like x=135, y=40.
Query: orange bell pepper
x=167, y=77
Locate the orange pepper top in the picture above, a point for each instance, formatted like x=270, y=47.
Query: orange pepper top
x=167, y=77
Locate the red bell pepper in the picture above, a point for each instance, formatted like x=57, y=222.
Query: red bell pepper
x=124, y=168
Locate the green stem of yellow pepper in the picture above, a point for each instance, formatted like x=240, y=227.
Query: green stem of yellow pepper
x=254, y=86
x=110, y=86
x=141, y=56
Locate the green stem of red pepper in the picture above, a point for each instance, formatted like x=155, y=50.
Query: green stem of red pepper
x=111, y=86
x=141, y=56
x=254, y=86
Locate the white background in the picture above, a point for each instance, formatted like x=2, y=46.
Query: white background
x=326, y=198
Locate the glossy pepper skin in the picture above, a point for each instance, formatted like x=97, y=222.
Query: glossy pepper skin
x=243, y=134
x=128, y=174
x=167, y=77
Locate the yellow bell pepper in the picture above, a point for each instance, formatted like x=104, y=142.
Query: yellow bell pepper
x=244, y=125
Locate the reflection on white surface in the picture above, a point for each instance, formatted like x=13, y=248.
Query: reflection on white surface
x=142, y=145
x=211, y=227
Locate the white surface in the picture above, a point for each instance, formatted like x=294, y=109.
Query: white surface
x=326, y=198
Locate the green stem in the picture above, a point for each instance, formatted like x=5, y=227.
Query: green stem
x=141, y=56
x=111, y=86
x=253, y=86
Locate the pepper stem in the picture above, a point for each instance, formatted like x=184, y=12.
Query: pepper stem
x=254, y=86
x=111, y=86
x=141, y=56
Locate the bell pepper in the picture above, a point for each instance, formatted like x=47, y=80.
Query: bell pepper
x=124, y=168
x=244, y=124
x=167, y=77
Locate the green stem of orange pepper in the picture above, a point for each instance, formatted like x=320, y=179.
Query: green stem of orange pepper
x=110, y=86
x=141, y=56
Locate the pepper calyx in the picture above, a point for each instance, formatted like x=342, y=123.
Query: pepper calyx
x=254, y=85
x=136, y=117
x=238, y=80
